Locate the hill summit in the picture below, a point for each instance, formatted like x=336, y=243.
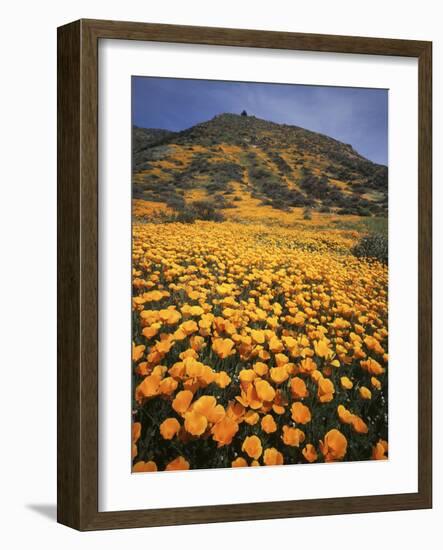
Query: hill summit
x=232, y=156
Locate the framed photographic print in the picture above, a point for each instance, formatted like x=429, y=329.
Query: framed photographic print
x=244, y=275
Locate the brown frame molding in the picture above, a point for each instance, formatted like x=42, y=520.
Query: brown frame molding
x=77, y=431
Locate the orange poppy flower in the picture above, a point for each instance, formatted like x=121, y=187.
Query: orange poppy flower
x=258, y=336
x=372, y=366
x=224, y=431
x=197, y=342
x=182, y=401
x=307, y=366
x=264, y=355
x=195, y=423
x=252, y=446
x=188, y=327
x=264, y=390
x=272, y=457
x=246, y=376
x=251, y=418
x=148, y=388
x=177, y=370
x=359, y=425
x=334, y=445
x=164, y=345
x=279, y=374
x=194, y=368
x=150, y=332
x=239, y=462
x=188, y=353
x=222, y=379
x=364, y=392
x=260, y=368
x=281, y=359
x=344, y=415
x=326, y=390
x=275, y=345
x=249, y=398
x=207, y=375
x=205, y=405
x=374, y=345
x=300, y=413
x=137, y=352
x=292, y=436
x=170, y=316
x=136, y=431
x=235, y=410
x=346, y=383
x=222, y=347
x=169, y=428
x=141, y=466
x=268, y=424
x=279, y=404
x=298, y=388
x=379, y=450
x=310, y=453
x=167, y=386
x=178, y=463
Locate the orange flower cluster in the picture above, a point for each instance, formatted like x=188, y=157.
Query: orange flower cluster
x=252, y=347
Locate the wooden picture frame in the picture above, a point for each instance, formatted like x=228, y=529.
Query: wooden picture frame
x=78, y=273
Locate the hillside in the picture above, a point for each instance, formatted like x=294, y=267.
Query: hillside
x=143, y=139
x=233, y=158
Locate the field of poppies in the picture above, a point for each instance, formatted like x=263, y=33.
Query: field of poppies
x=256, y=344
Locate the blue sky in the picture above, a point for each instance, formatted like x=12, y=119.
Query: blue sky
x=358, y=116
